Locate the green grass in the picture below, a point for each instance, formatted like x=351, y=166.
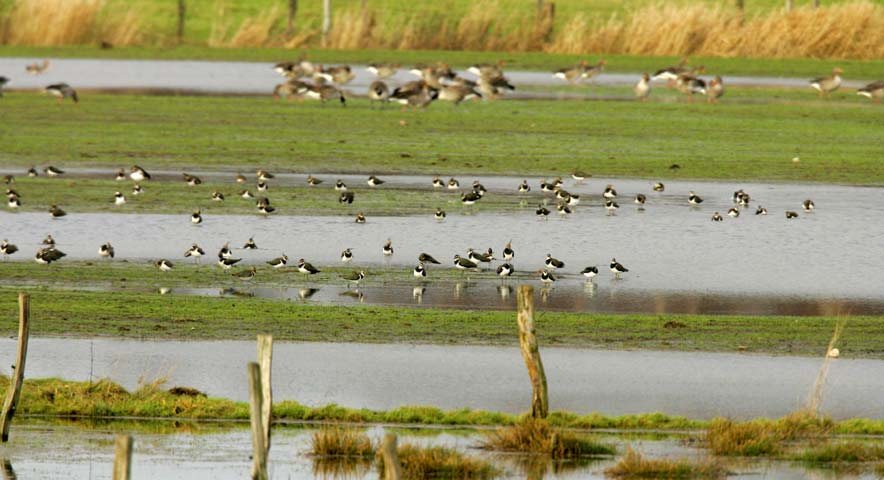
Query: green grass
x=840, y=452
x=810, y=68
x=141, y=315
x=635, y=465
x=418, y=462
x=838, y=140
x=764, y=438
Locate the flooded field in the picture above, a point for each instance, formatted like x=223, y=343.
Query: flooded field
x=692, y=384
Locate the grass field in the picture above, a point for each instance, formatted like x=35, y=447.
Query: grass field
x=838, y=141
x=142, y=315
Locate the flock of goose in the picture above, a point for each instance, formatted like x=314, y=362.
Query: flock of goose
x=565, y=204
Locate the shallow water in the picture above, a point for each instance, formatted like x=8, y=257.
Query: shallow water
x=693, y=384
x=260, y=78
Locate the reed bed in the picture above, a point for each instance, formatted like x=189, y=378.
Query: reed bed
x=839, y=452
x=764, y=437
x=850, y=30
x=537, y=437
x=635, y=465
x=338, y=441
x=439, y=462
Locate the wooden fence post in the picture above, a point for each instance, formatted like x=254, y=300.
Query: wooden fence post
x=265, y=360
x=182, y=12
x=123, y=458
x=259, y=451
x=531, y=352
x=8, y=472
x=13, y=393
x=290, y=21
x=326, y=20
x=392, y=469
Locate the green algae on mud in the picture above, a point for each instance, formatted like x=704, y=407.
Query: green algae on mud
x=837, y=141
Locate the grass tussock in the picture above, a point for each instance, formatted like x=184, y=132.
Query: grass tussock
x=69, y=22
x=538, y=437
x=850, y=451
x=439, y=462
x=338, y=441
x=764, y=437
x=634, y=465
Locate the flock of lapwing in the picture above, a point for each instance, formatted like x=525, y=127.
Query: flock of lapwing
x=565, y=205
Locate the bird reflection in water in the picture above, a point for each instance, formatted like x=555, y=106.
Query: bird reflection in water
x=306, y=293
x=354, y=294
x=544, y=293
x=504, y=291
x=164, y=290
x=589, y=288
x=232, y=292
x=418, y=294
x=459, y=288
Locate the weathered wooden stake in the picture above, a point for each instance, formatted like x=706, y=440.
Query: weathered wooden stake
x=123, y=458
x=259, y=451
x=8, y=472
x=182, y=12
x=392, y=469
x=15, y=382
x=326, y=20
x=530, y=351
x=290, y=21
x=265, y=359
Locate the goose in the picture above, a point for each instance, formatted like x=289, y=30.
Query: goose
x=671, y=73
x=306, y=268
x=347, y=255
x=340, y=186
x=694, y=199
x=37, y=68
x=62, y=91
x=419, y=98
x=246, y=274
x=790, y=214
x=808, y=205
x=617, y=268
x=354, y=277
x=250, y=245
x=643, y=88
x=827, y=85
x=546, y=276
x=438, y=183
x=609, y=192
x=346, y=197
x=290, y=90
x=138, y=174
x=325, y=93
x=640, y=200
x=439, y=215
x=313, y=181
x=278, y=262
x=164, y=265
x=106, y=250
x=119, y=198
x=53, y=171
x=3, y=82
x=56, y=212
x=464, y=263
x=427, y=258
x=388, y=248
x=457, y=93
x=524, y=187
x=121, y=175
x=590, y=272
x=760, y=210
x=733, y=212
x=611, y=206
x=48, y=255
x=191, y=180
x=492, y=85
x=7, y=248
x=264, y=175
x=716, y=217
x=217, y=196
x=339, y=75
x=453, y=184
x=873, y=90
x=542, y=211
x=480, y=69
x=715, y=89
x=659, y=187
x=689, y=85
x=228, y=263
x=294, y=69
x=553, y=263
x=374, y=181
x=419, y=271
x=378, y=91
x=196, y=252
x=360, y=218
x=572, y=74
x=470, y=198
x=383, y=70
x=505, y=270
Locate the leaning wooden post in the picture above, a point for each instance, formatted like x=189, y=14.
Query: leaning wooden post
x=7, y=471
x=259, y=451
x=530, y=351
x=265, y=359
x=123, y=458
x=15, y=381
x=392, y=469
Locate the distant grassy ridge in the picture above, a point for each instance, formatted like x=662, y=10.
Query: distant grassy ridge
x=838, y=141
x=152, y=316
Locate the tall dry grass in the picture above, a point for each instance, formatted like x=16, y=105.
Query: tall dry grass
x=68, y=22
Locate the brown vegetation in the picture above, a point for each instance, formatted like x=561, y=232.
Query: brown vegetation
x=337, y=441
x=634, y=465
x=764, y=437
x=69, y=22
x=537, y=437
x=439, y=462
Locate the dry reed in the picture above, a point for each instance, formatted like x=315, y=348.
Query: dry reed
x=67, y=22
x=337, y=441
x=634, y=465
x=764, y=437
x=537, y=437
x=439, y=462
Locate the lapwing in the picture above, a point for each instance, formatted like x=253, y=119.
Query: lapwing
x=453, y=184
x=32, y=172
x=311, y=180
x=48, y=240
x=56, y=212
x=306, y=267
x=227, y=263
x=191, y=180
x=827, y=85
x=346, y=197
x=195, y=251
x=347, y=255
x=106, y=250
x=279, y=262
x=246, y=194
x=611, y=206
x=138, y=174
x=546, y=187
x=659, y=187
x=419, y=271
x=354, y=277
x=508, y=252
x=262, y=186
x=760, y=210
x=580, y=177
x=137, y=189
x=694, y=199
x=617, y=268
x=609, y=192
x=464, y=263
x=250, y=245
x=542, y=211
x=48, y=255
x=119, y=198
x=225, y=251
x=478, y=257
x=790, y=214
x=264, y=206
x=121, y=175
x=590, y=272
x=217, y=196
x=553, y=263
x=716, y=217
x=62, y=91
x=340, y=186
x=13, y=201
x=524, y=187
x=640, y=200
x=439, y=215
x=564, y=210
x=53, y=171
x=438, y=183
x=388, y=248
x=196, y=217
x=808, y=205
x=7, y=248
x=505, y=270
x=264, y=175
x=470, y=198
x=546, y=276
x=246, y=274
x=479, y=188
x=164, y=265
x=240, y=178
x=8, y=179
x=374, y=181
x=427, y=258
x=360, y=218
x=734, y=212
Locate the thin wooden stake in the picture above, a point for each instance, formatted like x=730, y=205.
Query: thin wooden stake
x=265, y=359
x=15, y=382
x=259, y=451
x=8, y=472
x=531, y=352
x=392, y=469
x=123, y=458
